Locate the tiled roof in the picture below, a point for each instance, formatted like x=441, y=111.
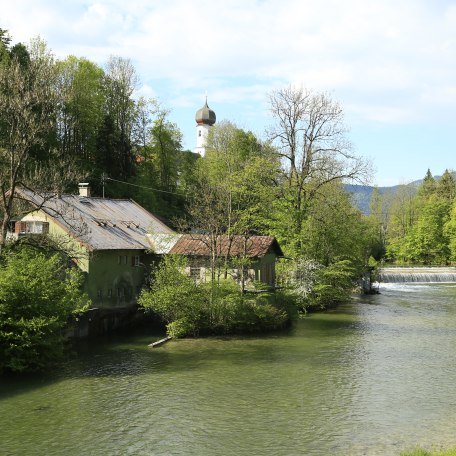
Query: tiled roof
x=100, y=223
x=253, y=246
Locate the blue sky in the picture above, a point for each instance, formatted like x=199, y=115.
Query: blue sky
x=391, y=64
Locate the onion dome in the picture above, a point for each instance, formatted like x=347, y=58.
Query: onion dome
x=205, y=115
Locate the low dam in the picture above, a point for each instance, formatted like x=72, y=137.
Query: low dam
x=417, y=275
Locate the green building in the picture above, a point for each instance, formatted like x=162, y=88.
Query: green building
x=104, y=237
x=116, y=242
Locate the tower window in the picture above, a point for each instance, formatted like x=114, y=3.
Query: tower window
x=199, y=133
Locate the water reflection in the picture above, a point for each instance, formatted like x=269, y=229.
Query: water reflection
x=372, y=377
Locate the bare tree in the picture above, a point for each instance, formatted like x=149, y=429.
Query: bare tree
x=28, y=101
x=310, y=136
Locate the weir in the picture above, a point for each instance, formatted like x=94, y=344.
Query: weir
x=417, y=275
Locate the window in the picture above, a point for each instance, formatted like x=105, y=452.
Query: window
x=195, y=273
x=199, y=133
x=110, y=293
x=32, y=227
x=99, y=294
x=135, y=260
x=122, y=259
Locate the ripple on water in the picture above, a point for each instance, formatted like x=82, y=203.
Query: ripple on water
x=373, y=377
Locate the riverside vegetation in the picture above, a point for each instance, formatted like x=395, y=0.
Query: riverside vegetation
x=66, y=120
x=417, y=225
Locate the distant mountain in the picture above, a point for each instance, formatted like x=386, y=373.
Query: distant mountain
x=362, y=194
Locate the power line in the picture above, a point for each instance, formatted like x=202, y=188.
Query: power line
x=143, y=186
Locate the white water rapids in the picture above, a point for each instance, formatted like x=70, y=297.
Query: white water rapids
x=417, y=275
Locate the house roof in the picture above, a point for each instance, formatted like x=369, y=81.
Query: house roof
x=199, y=245
x=100, y=223
x=161, y=243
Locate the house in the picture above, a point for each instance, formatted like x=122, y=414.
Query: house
x=261, y=251
x=106, y=238
x=115, y=242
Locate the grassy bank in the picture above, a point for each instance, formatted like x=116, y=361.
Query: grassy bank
x=423, y=452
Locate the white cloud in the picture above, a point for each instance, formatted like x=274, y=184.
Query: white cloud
x=238, y=49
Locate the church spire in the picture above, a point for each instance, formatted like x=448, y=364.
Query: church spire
x=205, y=117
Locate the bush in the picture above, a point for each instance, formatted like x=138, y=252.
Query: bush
x=37, y=294
x=190, y=309
x=335, y=284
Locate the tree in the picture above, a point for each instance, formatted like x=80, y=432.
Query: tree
x=310, y=136
x=450, y=231
x=334, y=230
x=120, y=82
x=427, y=241
x=446, y=186
x=428, y=186
x=378, y=220
x=403, y=211
x=27, y=119
x=37, y=294
x=80, y=84
x=234, y=190
x=5, y=41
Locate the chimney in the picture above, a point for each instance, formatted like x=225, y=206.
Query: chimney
x=84, y=189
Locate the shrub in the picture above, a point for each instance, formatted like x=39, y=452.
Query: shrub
x=334, y=285
x=190, y=309
x=37, y=294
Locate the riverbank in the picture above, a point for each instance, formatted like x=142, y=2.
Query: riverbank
x=423, y=452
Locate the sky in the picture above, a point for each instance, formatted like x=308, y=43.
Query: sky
x=391, y=64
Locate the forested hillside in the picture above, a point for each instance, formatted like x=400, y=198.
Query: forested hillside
x=418, y=226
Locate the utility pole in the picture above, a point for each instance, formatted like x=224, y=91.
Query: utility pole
x=103, y=181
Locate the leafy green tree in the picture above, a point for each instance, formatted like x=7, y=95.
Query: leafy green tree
x=310, y=136
x=5, y=41
x=378, y=221
x=335, y=230
x=334, y=284
x=119, y=84
x=403, y=211
x=446, y=186
x=428, y=186
x=81, y=84
x=28, y=100
x=37, y=295
x=450, y=231
x=163, y=171
x=427, y=241
x=188, y=310
x=235, y=187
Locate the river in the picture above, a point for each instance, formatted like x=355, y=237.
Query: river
x=375, y=376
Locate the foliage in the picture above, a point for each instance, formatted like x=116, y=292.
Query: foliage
x=420, y=227
x=37, y=294
x=311, y=285
x=310, y=138
x=334, y=284
x=188, y=310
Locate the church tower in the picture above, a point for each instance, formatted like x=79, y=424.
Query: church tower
x=205, y=118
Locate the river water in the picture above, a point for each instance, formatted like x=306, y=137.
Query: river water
x=376, y=376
